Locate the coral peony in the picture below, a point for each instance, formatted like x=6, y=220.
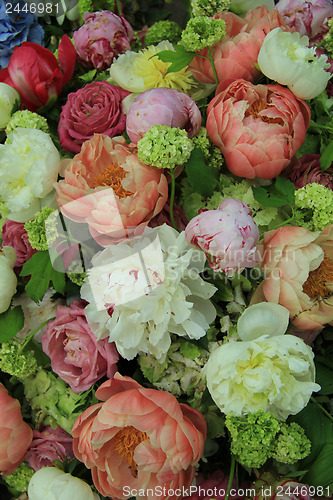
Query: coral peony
x=96, y=108
x=75, y=354
x=258, y=128
x=16, y=434
x=101, y=38
x=162, y=106
x=228, y=236
x=48, y=445
x=299, y=275
x=306, y=170
x=14, y=235
x=138, y=439
x=123, y=192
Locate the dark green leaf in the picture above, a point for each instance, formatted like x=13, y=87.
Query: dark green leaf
x=324, y=377
x=267, y=199
x=321, y=471
x=326, y=158
x=41, y=358
x=40, y=268
x=285, y=187
x=202, y=177
x=11, y=322
x=180, y=58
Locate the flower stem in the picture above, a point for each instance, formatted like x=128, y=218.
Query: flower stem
x=27, y=340
x=322, y=408
x=213, y=65
x=118, y=8
x=231, y=476
x=172, y=197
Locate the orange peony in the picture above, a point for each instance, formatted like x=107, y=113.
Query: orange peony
x=299, y=275
x=109, y=188
x=139, y=439
x=16, y=435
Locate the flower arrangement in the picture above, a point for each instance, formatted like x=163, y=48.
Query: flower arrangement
x=166, y=259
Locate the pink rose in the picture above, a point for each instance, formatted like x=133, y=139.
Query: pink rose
x=228, y=236
x=162, y=106
x=16, y=434
x=76, y=355
x=258, y=128
x=103, y=36
x=298, y=265
x=138, y=438
x=14, y=235
x=48, y=445
x=94, y=109
x=307, y=170
x=109, y=188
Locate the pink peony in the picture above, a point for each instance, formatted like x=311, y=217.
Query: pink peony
x=94, y=109
x=14, y=235
x=16, y=434
x=235, y=56
x=101, y=38
x=215, y=485
x=162, y=106
x=76, y=355
x=228, y=236
x=298, y=265
x=307, y=170
x=258, y=128
x=308, y=17
x=111, y=189
x=48, y=445
x=138, y=438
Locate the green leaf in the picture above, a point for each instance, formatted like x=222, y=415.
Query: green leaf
x=41, y=358
x=267, y=199
x=321, y=472
x=180, y=58
x=88, y=77
x=324, y=377
x=40, y=268
x=282, y=192
x=203, y=177
x=326, y=158
x=286, y=188
x=11, y=322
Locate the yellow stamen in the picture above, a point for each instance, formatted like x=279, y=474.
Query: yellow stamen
x=319, y=283
x=112, y=176
x=125, y=442
x=259, y=106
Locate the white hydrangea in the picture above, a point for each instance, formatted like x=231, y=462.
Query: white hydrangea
x=29, y=166
x=8, y=280
x=10, y=101
x=140, y=293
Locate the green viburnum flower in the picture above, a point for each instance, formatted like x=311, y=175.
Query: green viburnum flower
x=291, y=444
x=27, y=119
x=36, y=229
x=212, y=154
x=202, y=32
x=165, y=147
x=19, y=479
x=208, y=7
x=328, y=39
x=19, y=364
x=163, y=30
x=314, y=204
x=95, y=5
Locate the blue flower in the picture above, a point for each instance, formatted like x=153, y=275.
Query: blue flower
x=16, y=28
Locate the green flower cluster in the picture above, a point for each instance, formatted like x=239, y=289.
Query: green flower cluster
x=259, y=436
x=36, y=229
x=163, y=30
x=202, y=32
x=27, y=119
x=20, y=364
x=208, y=7
x=95, y=5
x=165, y=147
x=19, y=480
x=212, y=154
x=328, y=39
x=314, y=205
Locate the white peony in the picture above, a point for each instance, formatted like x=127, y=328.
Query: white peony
x=50, y=483
x=139, y=293
x=8, y=280
x=286, y=58
x=29, y=166
x=10, y=101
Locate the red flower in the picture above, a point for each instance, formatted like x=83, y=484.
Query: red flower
x=36, y=74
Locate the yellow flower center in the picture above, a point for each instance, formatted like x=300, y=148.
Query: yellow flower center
x=125, y=442
x=258, y=106
x=320, y=281
x=112, y=176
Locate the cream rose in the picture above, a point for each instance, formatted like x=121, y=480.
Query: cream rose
x=8, y=280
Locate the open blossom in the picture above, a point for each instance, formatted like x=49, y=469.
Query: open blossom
x=14, y=235
x=306, y=170
x=299, y=274
x=8, y=280
x=94, y=109
x=286, y=58
x=76, y=356
x=16, y=434
x=101, y=38
x=139, y=438
x=162, y=106
x=138, y=304
x=258, y=128
x=48, y=445
x=227, y=235
x=109, y=188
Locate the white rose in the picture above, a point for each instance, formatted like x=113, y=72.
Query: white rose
x=8, y=280
x=50, y=483
x=29, y=166
x=9, y=103
x=286, y=58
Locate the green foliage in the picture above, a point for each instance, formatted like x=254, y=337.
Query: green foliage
x=15, y=361
x=179, y=58
x=163, y=30
x=11, y=322
x=275, y=195
x=202, y=176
